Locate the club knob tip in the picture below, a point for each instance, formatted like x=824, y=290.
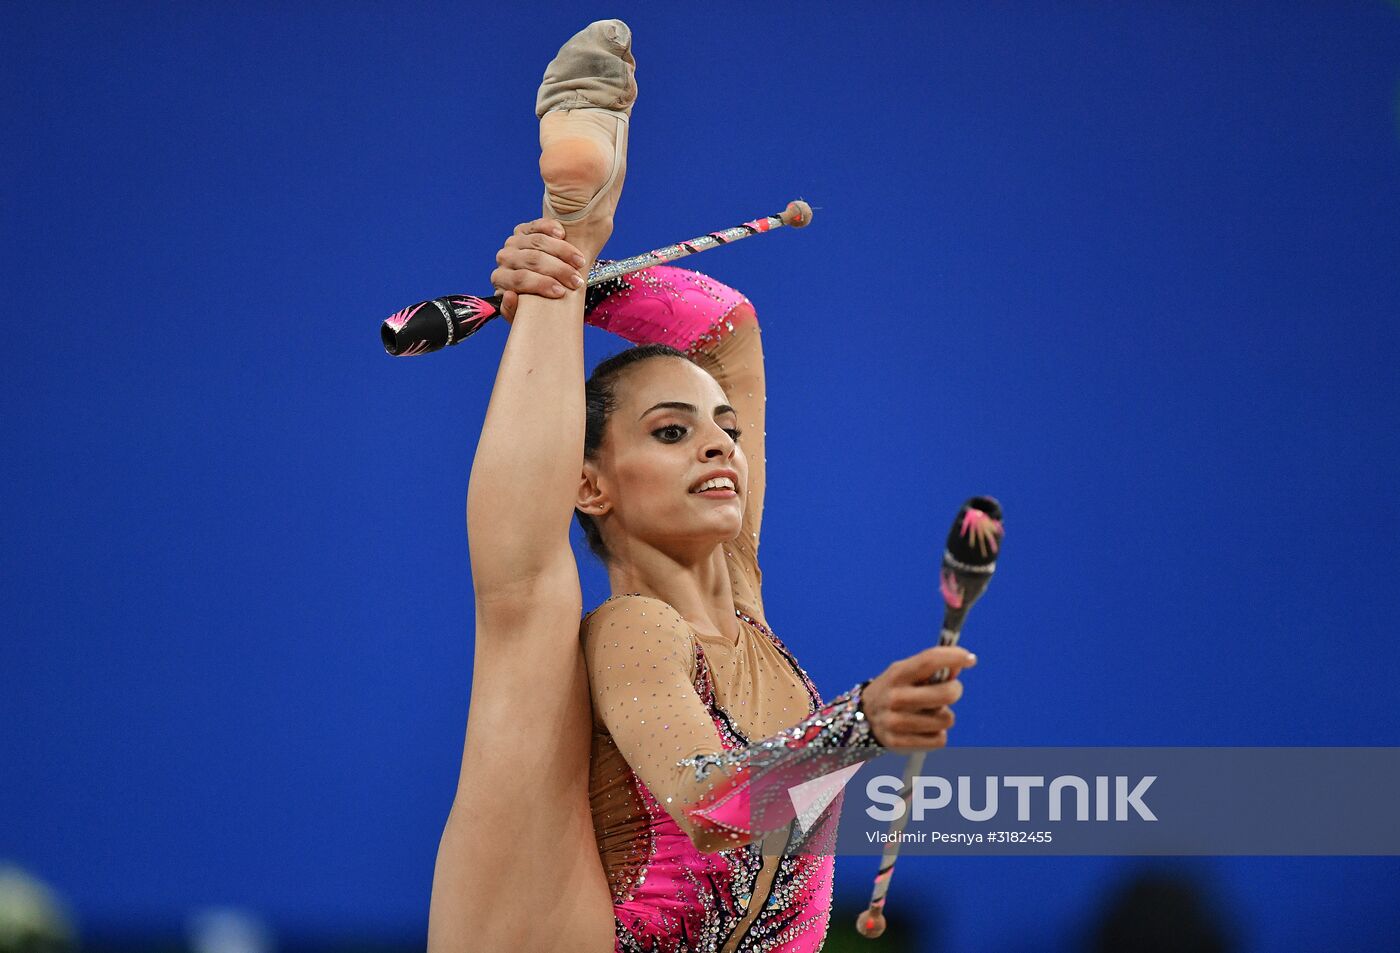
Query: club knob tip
x=870, y=924
x=797, y=215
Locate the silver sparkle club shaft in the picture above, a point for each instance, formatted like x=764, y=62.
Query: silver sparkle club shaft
x=443, y=322
x=796, y=215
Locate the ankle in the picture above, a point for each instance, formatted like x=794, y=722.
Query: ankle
x=589, y=238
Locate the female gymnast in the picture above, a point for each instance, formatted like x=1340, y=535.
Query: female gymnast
x=643, y=749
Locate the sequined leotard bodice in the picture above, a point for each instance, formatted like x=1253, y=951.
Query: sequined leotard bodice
x=680, y=716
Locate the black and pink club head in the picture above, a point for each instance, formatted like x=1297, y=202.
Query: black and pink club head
x=975, y=537
x=433, y=325
x=424, y=327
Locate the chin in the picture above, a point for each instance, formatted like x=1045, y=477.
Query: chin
x=732, y=534
x=721, y=534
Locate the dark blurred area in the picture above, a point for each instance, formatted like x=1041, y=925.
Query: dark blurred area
x=33, y=918
x=1161, y=912
x=1149, y=909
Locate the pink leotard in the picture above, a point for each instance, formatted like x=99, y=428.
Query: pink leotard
x=681, y=718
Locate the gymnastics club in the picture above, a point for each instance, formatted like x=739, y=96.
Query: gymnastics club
x=442, y=322
x=969, y=559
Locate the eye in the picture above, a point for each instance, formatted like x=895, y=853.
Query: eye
x=673, y=433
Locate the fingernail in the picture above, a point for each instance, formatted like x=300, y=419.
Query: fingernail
x=578, y=261
x=556, y=290
x=558, y=231
x=971, y=659
x=576, y=281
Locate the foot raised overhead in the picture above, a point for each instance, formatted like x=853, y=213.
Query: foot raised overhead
x=584, y=104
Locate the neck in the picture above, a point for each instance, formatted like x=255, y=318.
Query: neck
x=696, y=585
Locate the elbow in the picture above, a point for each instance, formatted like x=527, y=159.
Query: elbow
x=711, y=834
x=721, y=818
x=712, y=841
x=705, y=835
x=743, y=314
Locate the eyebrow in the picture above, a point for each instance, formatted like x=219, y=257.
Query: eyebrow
x=688, y=408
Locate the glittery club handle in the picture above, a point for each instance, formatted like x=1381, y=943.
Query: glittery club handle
x=969, y=559
x=442, y=322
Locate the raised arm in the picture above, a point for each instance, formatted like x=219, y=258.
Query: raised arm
x=718, y=327
x=525, y=472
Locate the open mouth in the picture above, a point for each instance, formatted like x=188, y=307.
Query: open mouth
x=717, y=488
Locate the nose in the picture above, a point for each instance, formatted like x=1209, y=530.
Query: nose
x=717, y=443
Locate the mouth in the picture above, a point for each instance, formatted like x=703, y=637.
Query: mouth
x=717, y=487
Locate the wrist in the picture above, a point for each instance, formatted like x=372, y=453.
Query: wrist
x=863, y=735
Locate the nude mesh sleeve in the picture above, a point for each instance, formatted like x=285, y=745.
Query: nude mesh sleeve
x=641, y=664
x=718, y=328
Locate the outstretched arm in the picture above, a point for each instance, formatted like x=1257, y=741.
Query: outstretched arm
x=642, y=666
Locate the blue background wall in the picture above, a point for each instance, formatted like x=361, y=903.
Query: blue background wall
x=1134, y=269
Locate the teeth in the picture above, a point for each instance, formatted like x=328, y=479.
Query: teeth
x=715, y=484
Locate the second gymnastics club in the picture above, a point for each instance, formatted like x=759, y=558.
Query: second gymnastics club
x=969, y=559
x=442, y=322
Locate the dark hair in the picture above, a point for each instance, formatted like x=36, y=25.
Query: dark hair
x=600, y=399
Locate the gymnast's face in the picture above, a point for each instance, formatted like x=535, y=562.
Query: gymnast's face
x=671, y=431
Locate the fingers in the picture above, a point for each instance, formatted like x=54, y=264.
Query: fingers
x=539, y=262
x=534, y=271
x=909, y=744
x=919, y=721
x=546, y=236
x=914, y=730
x=924, y=698
x=509, y=302
x=912, y=717
x=922, y=667
x=549, y=246
x=525, y=282
x=536, y=260
x=540, y=226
